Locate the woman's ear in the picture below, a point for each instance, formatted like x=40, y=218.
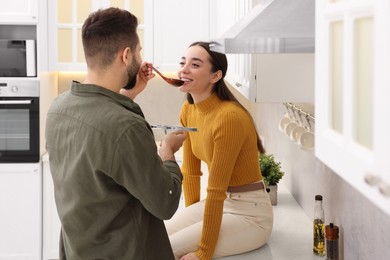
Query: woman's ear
x=217, y=76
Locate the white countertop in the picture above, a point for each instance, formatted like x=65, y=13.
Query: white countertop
x=292, y=235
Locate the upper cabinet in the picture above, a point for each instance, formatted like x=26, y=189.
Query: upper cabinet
x=175, y=25
x=352, y=92
x=66, y=18
x=286, y=77
x=19, y=12
x=241, y=72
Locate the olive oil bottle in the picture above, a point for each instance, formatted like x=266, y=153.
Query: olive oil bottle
x=319, y=227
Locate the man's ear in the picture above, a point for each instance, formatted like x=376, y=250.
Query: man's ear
x=217, y=76
x=126, y=56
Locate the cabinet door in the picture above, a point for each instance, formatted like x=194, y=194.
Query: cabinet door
x=19, y=12
x=285, y=77
x=66, y=18
x=242, y=67
x=381, y=120
x=21, y=208
x=176, y=24
x=352, y=93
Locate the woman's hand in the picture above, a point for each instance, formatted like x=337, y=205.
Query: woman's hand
x=189, y=256
x=145, y=74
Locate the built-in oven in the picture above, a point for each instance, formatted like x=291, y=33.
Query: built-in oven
x=19, y=121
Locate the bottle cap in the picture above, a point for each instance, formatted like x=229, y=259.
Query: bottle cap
x=318, y=197
x=332, y=231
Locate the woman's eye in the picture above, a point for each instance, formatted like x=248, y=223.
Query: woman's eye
x=195, y=65
x=181, y=63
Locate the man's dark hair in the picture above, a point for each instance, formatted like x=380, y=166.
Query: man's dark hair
x=107, y=31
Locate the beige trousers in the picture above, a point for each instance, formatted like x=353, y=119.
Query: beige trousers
x=246, y=225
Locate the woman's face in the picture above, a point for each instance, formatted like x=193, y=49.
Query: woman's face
x=195, y=71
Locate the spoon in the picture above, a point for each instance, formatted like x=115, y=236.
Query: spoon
x=174, y=82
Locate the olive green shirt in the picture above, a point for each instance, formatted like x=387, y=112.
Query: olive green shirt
x=112, y=190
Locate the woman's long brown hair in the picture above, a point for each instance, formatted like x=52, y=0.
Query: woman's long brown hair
x=219, y=62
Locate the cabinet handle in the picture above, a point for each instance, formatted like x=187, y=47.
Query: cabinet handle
x=372, y=179
x=376, y=181
x=238, y=85
x=384, y=188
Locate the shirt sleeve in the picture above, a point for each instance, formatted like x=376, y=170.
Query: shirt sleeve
x=140, y=170
x=190, y=168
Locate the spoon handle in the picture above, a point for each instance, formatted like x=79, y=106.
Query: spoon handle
x=175, y=128
x=158, y=72
x=174, y=82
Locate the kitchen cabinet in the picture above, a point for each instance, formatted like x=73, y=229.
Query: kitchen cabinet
x=20, y=211
x=242, y=67
x=65, y=20
x=175, y=25
x=281, y=77
x=285, y=77
x=352, y=93
x=19, y=12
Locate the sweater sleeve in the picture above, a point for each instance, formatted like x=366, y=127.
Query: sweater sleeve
x=190, y=167
x=228, y=137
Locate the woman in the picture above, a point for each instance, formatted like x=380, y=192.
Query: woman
x=236, y=216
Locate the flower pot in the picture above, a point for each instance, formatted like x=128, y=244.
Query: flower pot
x=273, y=193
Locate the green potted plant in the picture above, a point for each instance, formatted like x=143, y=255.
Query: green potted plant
x=272, y=173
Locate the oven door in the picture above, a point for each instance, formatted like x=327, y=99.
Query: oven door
x=19, y=129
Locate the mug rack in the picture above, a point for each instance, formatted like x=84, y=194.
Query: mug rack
x=300, y=111
x=292, y=124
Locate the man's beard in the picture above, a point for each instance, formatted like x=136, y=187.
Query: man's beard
x=132, y=72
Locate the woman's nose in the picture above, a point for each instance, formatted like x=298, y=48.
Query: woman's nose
x=183, y=69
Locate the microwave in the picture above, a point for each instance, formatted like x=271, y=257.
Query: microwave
x=18, y=58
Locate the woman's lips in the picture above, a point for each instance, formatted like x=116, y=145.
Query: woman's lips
x=186, y=80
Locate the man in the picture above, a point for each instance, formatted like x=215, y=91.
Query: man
x=112, y=189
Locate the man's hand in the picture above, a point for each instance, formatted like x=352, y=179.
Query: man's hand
x=145, y=74
x=171, y=144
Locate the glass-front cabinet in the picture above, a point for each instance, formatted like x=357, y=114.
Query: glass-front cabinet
x=66, y=18
x=352, y=93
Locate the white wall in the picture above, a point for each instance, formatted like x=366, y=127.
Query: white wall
x=364, y=228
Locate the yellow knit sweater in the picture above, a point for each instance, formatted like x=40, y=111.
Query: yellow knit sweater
x=226, y=142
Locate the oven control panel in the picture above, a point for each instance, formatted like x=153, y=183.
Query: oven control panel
x=19, y=88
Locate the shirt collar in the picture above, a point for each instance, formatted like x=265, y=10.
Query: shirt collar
x=78, y=88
